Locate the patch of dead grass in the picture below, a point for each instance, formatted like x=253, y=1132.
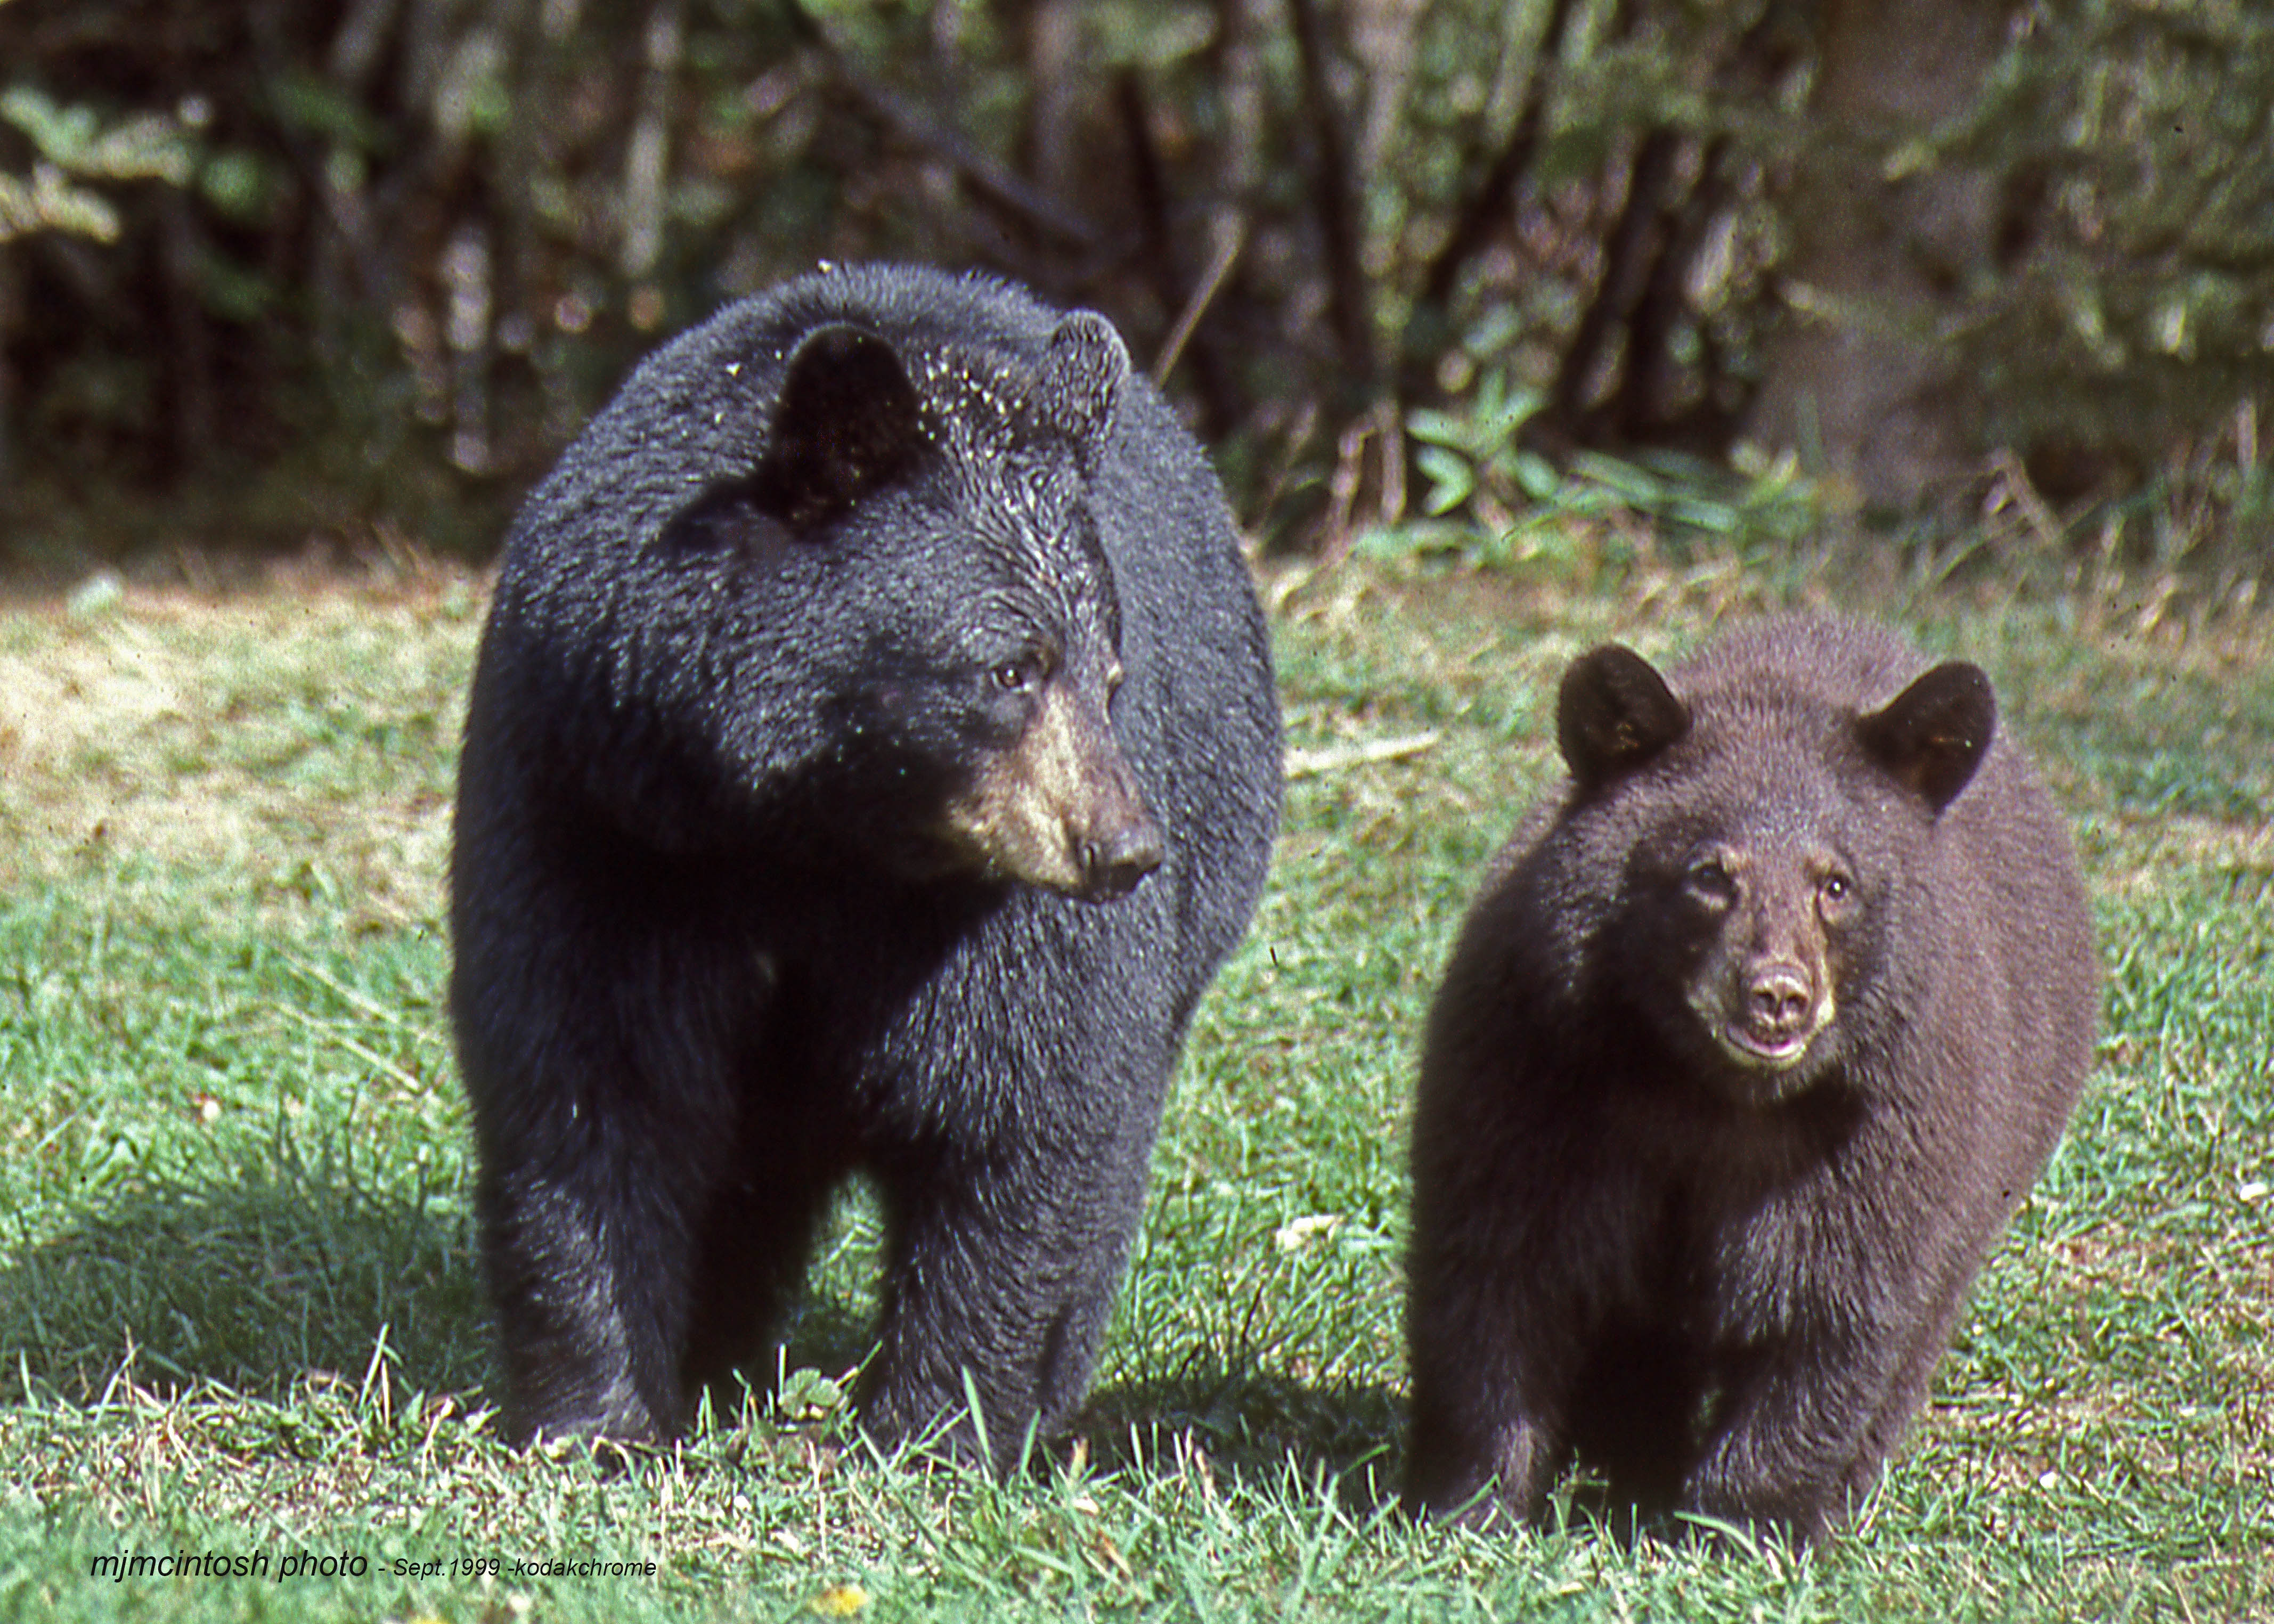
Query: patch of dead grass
x=297, y=736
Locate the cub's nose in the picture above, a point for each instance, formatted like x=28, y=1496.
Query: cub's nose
x=1779, y=1001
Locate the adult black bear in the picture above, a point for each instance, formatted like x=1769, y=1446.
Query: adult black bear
x=1748, y=1050
x=872, y=754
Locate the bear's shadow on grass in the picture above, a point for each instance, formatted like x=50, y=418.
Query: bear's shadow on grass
x=1256, y=1428
x=255, y=1282
x=283, y=1272
x=1246, y=1426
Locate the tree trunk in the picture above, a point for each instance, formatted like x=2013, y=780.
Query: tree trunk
x=1856, y=379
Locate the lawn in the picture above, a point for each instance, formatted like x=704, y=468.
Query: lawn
x=241, y=1317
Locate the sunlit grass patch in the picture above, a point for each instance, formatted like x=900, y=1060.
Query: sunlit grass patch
x=240, y=1305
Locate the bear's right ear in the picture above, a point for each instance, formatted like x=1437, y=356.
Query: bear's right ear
x=1079, y=384
x=846, y=424
x=1933, y=736
x=1614, y=713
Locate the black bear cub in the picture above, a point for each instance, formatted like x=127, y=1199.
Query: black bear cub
x=1757, y=1034
x=872, y=754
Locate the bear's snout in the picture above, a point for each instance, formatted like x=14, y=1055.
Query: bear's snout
x=1062, y=809
x=1766, y=1010
x=1780, y=1012
x=1117, y=856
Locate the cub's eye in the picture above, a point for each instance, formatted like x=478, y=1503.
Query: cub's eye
x=1709, y=879
x=1837, y=890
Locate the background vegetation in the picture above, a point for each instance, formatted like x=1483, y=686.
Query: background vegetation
x=356, y=269
x=239, y=1309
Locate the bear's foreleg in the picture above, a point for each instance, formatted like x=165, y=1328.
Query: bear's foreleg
x=592, y=1294
x=1002, y=1262
x=1787, y=1453
x=598, y=1176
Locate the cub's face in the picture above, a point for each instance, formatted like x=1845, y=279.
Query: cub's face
x=1745, y=937
x=1764, y=832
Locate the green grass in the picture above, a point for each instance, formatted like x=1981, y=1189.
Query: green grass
x=240, y=1311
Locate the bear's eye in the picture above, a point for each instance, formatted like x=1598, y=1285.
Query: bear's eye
x=1836, y=891
x=1710, y=880
x=1022, y=675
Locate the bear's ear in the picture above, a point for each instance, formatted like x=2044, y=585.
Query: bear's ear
x=846, y=423
x=1081, y=379
x=1614, y=712
x=725, y=517
x=1931, y=737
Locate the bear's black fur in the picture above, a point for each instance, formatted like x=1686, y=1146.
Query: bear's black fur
x=1754, y=1039
x=871, y=756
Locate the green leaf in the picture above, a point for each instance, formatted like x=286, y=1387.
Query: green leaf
x=1452, y=479
x=144, y=146
x=308, y=102
x=48, y=202
x=1536, y=476
x=1440, y=428
x=1622, y=480
x=1499, y=421
x=809, y=1395
x=236, y=184
x=60, y=133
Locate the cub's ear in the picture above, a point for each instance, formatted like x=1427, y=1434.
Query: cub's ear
x=1614, y=712
x=846, y=423
x=1080, y=381
x=1931, y=737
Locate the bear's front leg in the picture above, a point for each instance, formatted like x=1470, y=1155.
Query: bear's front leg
x=1786, y=1456
x=1479, y=1459
x=590, y=1297
x=596, y=1180
x=1495, y=1360
x=1003, y=1268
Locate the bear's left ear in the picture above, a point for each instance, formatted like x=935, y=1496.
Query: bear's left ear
x=846, y=423
x=1931, y=737
x=1080, y=382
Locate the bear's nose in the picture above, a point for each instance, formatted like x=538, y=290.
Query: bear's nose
x=1780, y=999
x=1113, y=861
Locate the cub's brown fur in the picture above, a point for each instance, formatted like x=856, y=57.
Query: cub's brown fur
x=1757, y=1034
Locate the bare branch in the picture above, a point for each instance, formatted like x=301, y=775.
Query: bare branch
x=1336, y=201
x=992, y=181
x=1211, y=282
x=1487, y=211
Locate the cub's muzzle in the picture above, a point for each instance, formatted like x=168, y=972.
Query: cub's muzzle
x=1766, y=1015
